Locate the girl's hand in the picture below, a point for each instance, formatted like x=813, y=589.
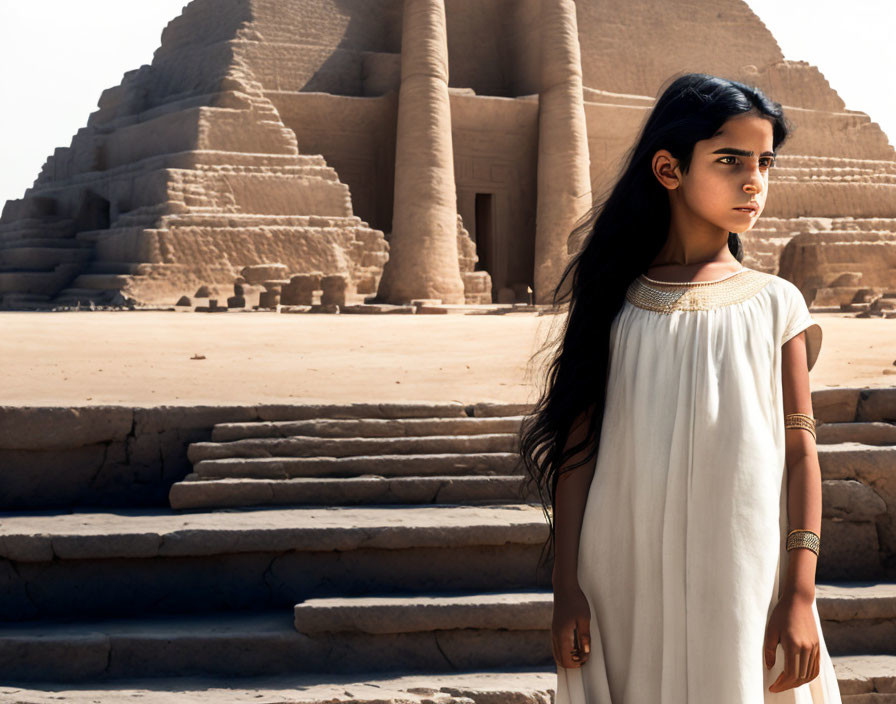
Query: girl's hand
x=571, y=627
x=792, y=623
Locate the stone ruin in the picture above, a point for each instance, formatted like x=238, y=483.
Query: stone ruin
x=420, y=149
x=189, y=547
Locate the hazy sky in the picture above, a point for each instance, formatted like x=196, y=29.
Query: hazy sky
x=57, y=56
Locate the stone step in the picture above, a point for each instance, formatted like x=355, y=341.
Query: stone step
x=101, y=282
x=247, y=644
x=128, y=268
x=434, y=631
x=238, y=644
x=848, y=405
x=861, y=678
x=509, y=686
x=843, y=500
x=833, y=161
x=42, y=258
x=866, y=679
x=834, y=169
x=815, y=176
x=84, y=298
x=846, y=460
x=73, y=294
x=91, y=237
x=451, y=464
x=55, y=223
x=217, y=219
x=352, y=446
x=858, y=617
x=42, y=242
x=381, y=411
x=25, y=234
x=194, y=493
x=523, y=610
x=365, y=427
x=850, y=234
x=25, y=298
x=870, y=433
x=46, y=283
x=133, y=561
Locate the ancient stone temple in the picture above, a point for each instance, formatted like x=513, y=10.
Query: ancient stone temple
x=422, y=149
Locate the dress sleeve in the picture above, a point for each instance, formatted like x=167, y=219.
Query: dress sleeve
x=798, y=320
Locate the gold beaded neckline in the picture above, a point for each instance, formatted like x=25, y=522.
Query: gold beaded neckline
x=669, y=296
x=692, y=283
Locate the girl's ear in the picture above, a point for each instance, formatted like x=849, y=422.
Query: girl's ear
x=665, y=168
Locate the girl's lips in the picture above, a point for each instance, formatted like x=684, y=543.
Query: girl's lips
x=752, y=210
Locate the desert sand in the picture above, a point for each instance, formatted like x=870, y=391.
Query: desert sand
x=148, y=358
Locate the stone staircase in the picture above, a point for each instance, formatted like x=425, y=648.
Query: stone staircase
x=38, y=258
x=382, y=540
x=355, y=461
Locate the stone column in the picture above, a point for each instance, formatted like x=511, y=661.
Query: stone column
x=564, y=178
x=423, y=259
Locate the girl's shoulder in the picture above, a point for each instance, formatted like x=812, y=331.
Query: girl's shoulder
x=782, y=290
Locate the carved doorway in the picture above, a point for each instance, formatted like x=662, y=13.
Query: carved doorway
x=484, y=233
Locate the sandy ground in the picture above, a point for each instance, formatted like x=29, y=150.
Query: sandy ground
x=146, y=358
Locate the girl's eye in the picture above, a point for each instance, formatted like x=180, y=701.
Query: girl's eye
x=764, y=162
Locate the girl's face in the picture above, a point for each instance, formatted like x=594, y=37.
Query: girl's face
x=729, y=172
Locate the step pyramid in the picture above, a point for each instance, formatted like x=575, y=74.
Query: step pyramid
x=265, y=131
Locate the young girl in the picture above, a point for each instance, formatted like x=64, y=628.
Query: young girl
x=675, y=435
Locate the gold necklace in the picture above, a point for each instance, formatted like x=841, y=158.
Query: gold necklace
x=692, y=283
x=669, y=296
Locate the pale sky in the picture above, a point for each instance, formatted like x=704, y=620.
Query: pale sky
x=57, y=56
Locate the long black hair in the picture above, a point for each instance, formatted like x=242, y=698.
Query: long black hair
x=621, y=235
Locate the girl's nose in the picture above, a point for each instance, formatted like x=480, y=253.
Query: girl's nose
x=755, y=182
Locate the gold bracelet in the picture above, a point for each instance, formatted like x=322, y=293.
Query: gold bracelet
x=802, y=421
x=801, y=538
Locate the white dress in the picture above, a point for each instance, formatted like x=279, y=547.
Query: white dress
x=682, y=550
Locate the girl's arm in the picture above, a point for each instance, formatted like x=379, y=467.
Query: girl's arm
x=571, y=621
x=569, y=508
x=792, y=622
x=803, y=469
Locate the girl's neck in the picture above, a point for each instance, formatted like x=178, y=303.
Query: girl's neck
x=685, y=261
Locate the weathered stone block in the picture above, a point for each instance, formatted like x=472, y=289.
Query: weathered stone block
x=851, y=500
x=850, y=550
x=333, y=289
x=835, y=405
x=47, y=428
x=877, y=405
x=259, y=273
x=300, y=289
x=269, y=299
x=324, y=308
